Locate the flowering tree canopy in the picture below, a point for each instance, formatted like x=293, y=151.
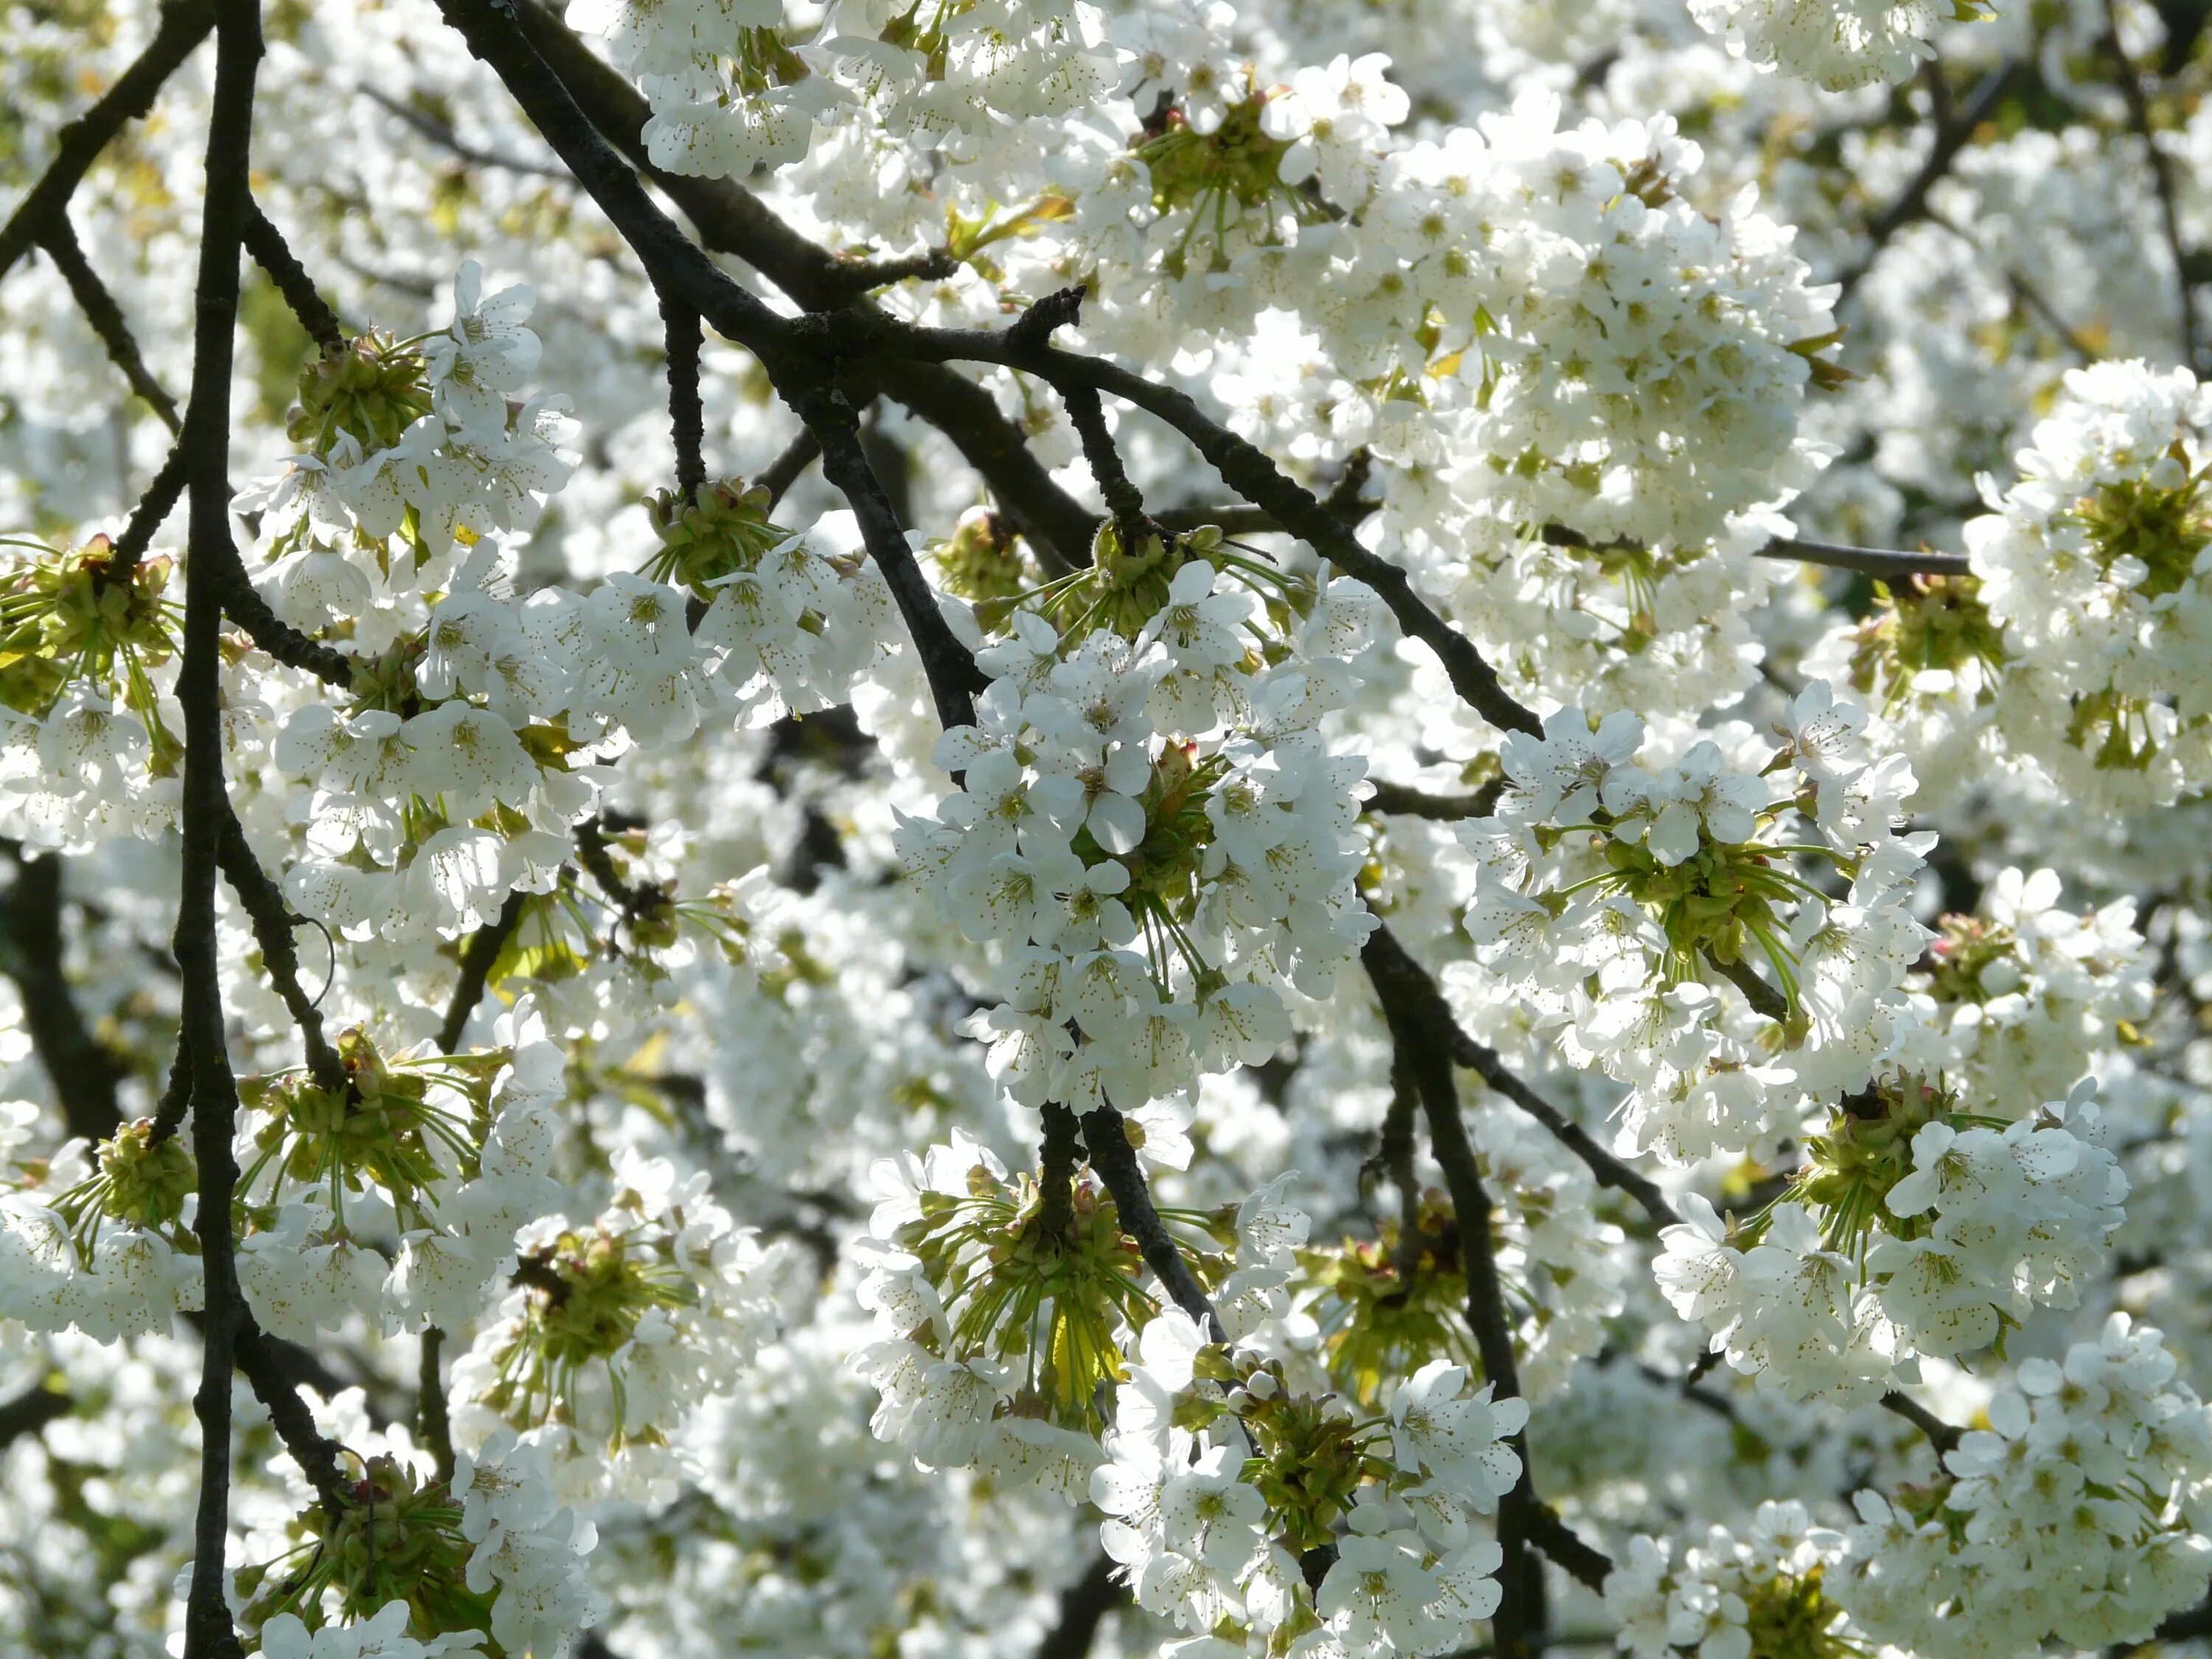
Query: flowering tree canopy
x=1023, y=829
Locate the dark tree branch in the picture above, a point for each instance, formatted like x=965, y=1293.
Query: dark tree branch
x=954, y=679
x=1058, y=1148
x=1243, y=466
x=1396, y=799
x=1084, y=1606
x=1868, y=561
x=687, y=415
x=1941, y=1435
x=778, y=476
x=2162, y=181
x=83, y=1071
x=32, y=1410
x=205, y=807
x=1125, y=502
x=476, y=959
x=273, y=921
x=286, y=643
x=1764, y=998
x=1413, y=990
x=184, y=24
x=1115, y=1161
x=933, y=265
x=154, y=508
x=1952, y=135
x=101, y=310
x=431, y=1421
x=438, y=133
x=274, y=257
x=316, y=1454
x=1518, y=1626
x=799, y=361
x=731, y=220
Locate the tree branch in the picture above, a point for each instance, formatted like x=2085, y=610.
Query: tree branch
x=1084, y=1606
x=1951, y=138
x=687, y=415
x=274, y=257
x=1941, y=1435
x=1395, y=800
x=273, y=921
x=1517, y=1627
x=1115, y=1161
x=205, y=807
x=1415, y=991
x=1868, y=561
x=316, y=1454
x=184, y=24
x=100, y=309
x=30, y=1411
x=778, y=476
x=477, y=961
x=1243, y=466
x=83, y=1071
x=2162, y=181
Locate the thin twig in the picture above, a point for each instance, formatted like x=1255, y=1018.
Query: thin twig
x=477, y=958
x=84, y=1070
x=1415, y=990
x=1396, y=799
x=1952, y=135
x=273, y=921
x=146, y=518
x=184, y=24
x=102, y=311
x=1941, y=1435
x=2162, y=180
x=780, y=474
x=687, y=415
x=1106, y=1138
x=1125, y=502
x=432, y=1421
x=1868, y=561
x=204, y=807
x=274, y=257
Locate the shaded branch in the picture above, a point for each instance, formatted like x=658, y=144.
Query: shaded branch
x=477, y=958
x=1398, y=801
x=442, y=135
x=778, y=476
x=1951, y=135
x=273, y=921
x=316, y=1454
x=101, y=310
x=1764, y=998
x=1412, y=1008
x=687, y=415
x=1243, y=466
x=1057, y=1150
x=1106, y=1138
x=147, y=517
x=84, y=1072
x=1941, y=1435
x=1868, y=561
x=204, y=807
x=1125, y=502
x=1414, y=990
x=30, y=1411
x=184, y=24
x=432, y=1422
x=274, y=257
x=1084, y=1606
x=2162, y=182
